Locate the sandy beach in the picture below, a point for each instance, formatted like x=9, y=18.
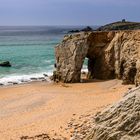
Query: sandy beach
x=41, y=108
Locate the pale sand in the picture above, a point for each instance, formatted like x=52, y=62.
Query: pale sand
x=38, y=108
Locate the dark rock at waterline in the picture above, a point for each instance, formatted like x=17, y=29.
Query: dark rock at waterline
x=45, y=75
x=10, y=82
x=15, y=83
x=24, y=81
x=5, y=64
x=74, y=31
x=40, y=78
x=33, y=78
x=87, y=29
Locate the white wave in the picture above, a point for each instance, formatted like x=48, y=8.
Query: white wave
x=19, y=79
x=48, y=61
x=84, y=68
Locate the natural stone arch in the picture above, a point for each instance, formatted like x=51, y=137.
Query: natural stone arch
x=73, y=50
x=111, y=55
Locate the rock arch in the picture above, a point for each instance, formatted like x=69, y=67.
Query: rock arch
x=111, y=55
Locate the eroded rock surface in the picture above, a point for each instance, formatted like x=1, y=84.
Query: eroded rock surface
x=70, y=55
x=120, y=121
x=111, y=55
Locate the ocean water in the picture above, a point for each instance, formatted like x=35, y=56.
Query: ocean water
x=30, y=50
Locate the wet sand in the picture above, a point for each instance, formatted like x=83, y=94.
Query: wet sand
x=41, y=108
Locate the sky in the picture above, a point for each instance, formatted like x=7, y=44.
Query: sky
x=67, y=12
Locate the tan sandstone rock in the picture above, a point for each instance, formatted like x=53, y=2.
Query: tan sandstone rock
x=110, y=55
x=120, y=121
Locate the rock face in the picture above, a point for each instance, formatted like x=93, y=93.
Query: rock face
x=70, y=55
x=120, y=121
x=110, y=55
x=5, y=64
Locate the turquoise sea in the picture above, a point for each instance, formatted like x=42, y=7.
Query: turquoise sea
x=30, y=49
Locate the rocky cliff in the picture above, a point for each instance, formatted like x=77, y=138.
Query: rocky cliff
x=110, y=55
x=120, y=121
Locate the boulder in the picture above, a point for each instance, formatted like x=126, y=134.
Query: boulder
x=5, y=64
x=120, y=121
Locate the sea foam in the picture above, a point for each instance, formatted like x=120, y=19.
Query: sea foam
x=20, y=79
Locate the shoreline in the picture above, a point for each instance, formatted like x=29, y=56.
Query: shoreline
x=28, y=78
x=39, y=108
x=23, y=79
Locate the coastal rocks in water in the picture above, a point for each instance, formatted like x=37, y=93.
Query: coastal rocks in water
x=110, y=55
x=5, y=64
x=87, y=29
x=1, y=84
x=45, y=75
x=74, y=31
x=120, y=121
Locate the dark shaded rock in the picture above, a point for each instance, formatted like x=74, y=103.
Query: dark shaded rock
x=74, y=31
x=87, y=29
x=15, y=83
x=46, y=75
x=56, y=76
x=34, y=79
x=41, y=78
x=5, y=64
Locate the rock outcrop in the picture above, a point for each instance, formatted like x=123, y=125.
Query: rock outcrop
x=86, y=29
x=70, y=55
x=110, y=55
x=120, y=25
x=120, y=121
x=5, y=64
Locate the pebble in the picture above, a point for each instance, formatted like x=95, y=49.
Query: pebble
x=45, y=75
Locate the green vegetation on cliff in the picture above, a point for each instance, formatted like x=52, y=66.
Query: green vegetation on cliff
x=120, y=25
